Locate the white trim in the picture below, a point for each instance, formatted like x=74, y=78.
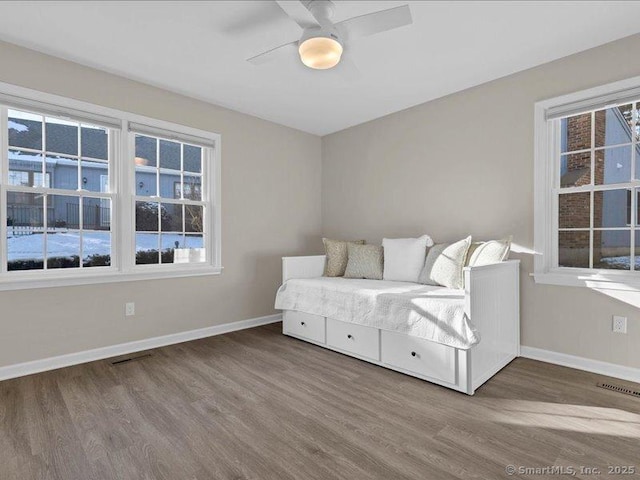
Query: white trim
x=122, y=175
x=595, y=279
x=594, y=366
x=36, y=279
x=546, y=182
x=52, y=363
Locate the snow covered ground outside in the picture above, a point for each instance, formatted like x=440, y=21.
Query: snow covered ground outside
x=67, y=243
x=621, y=262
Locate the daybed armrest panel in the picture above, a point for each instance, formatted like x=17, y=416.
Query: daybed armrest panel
x=302, y=267
x=492, y=303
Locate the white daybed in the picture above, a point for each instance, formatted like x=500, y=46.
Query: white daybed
x=460, y=352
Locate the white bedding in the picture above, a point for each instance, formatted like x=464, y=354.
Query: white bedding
x=433, y=313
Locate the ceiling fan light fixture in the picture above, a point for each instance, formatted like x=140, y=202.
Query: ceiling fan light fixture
x=320, y=53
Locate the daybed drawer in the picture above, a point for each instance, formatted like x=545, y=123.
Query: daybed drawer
x=358, y=339
x=419, y=356
x=303, y=325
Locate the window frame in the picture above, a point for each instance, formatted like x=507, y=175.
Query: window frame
x=122, y=191
x=547, y=182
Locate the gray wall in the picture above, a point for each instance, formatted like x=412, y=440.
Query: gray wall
x=463, y=164
x=270, y=207
x=457, y=165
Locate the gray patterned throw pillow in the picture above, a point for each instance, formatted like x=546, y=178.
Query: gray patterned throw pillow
x=365, y=261
x=337, y=255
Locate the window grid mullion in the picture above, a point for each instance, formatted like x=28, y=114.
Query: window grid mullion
x=58, y=191
x=59, y=154
x=634, y=191
x=79, y=166
x=593, y=182
x=45, y=227
x=81, y=229
x=4, y=176
x=45, y=195
x=141, y=198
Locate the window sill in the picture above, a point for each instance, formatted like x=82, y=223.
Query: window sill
x=629, y=281
x=26, y=280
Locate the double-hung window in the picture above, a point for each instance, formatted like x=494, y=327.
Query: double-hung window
x=170, y=211
x=89, y=194
x=587, y=211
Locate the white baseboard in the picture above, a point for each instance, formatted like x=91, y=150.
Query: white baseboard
x=52, y=363
x=581, y=363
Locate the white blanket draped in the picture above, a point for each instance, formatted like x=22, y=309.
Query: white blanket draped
x=433, y=313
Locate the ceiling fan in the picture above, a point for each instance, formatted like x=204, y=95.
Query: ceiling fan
x=322, y=42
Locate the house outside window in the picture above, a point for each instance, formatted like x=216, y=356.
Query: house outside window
x=587, y=210
x=91, y=194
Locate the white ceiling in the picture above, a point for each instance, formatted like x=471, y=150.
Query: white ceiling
x=199, y=49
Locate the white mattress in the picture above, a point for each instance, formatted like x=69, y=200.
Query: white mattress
x=433, y=313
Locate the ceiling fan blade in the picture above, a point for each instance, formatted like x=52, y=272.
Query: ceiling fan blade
x=298, y=13
x=348, y=70
x=274, y=53
x=376, y=22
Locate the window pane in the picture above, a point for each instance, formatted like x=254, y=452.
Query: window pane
x=613, y=165
x=574, y=210
x=573, y=249
x=25, y=130
x=193, y=220
x=22, y=166
x=192, y=187
x=63, y=212
x=66, y=171
x=170, y=155
x=194, y=241
x=96, y=249
x=146, y=161
x=146, y=151
x=95, y=142
x=192, y=251
x=575, y=133
x=192, y=159
x=146, y=182
x=96, y=213
x=171, y=217
x=147, y=217
x=63, y=249
x=637, y=250
x=613, y=125
x=575, y=169
x=612, y=208
x=637, y=122
x=25, y=231
x=95, y=176
x=168, y=180
x=147, y=248
x=169, y=242
x=61, y=136
x=612, y=249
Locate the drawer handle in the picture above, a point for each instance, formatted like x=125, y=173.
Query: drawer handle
x=302, y=323
x=413, y=354
x=349, y=336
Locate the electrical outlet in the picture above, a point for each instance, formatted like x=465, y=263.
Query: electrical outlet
x=129, y=309
x=619, y=324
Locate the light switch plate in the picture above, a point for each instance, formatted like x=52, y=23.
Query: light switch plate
x=129, y=309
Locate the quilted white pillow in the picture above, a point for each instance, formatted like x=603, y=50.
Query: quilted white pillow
x=404, y=257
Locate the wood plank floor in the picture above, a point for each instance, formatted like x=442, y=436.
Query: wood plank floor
x=258, y=405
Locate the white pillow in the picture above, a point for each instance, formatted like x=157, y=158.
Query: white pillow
x=487, y=253
x=404, y=257
x=445, y=263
